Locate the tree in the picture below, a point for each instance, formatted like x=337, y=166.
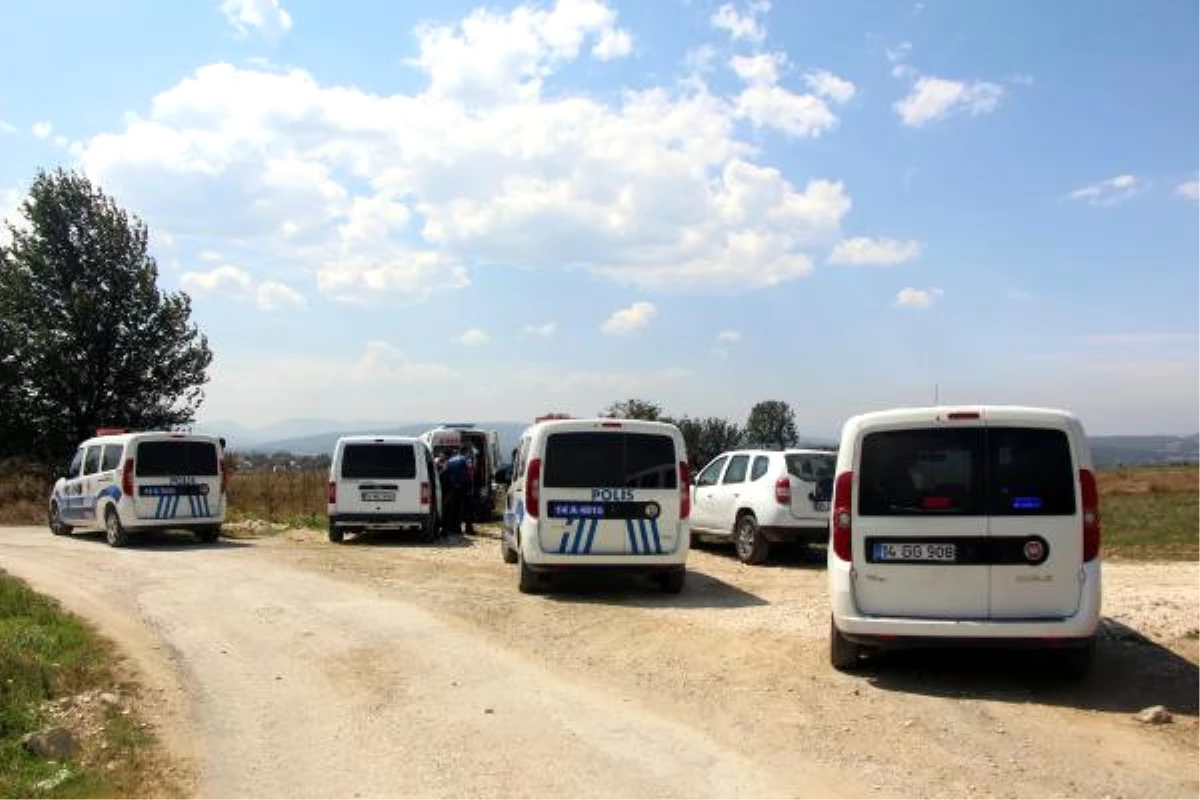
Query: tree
x=772, y=423
x=634, y=409
x=98, y=343
x=707, y=438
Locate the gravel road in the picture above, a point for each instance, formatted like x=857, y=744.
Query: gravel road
x=290, y=667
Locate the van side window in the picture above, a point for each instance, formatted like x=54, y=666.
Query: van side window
x=91, y=461
x=112, y=457
x=923, y=471
x=708, y=476
x=519, y=458
x=737, y=470
x=759, y=467
x=76, y=468
x=1030, y=472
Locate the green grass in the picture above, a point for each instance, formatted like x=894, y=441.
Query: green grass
x=47, y=654
x=1151, y=526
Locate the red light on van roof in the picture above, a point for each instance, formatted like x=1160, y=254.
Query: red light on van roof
x=936, y=503
x=610, y=425
x=110, y=431
x=963, y=415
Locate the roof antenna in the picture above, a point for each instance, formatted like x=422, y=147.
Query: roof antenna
x=935, y=394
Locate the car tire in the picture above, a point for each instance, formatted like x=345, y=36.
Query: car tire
x=114, y=532
x=672, y=581
x=335, y=534
x=209, y=533
x=844, y=654
x=748, y=541
x=507, y=553
x=57, y=526
x=530, y=582
x=1075, y=663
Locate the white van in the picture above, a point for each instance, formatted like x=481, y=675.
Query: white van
x=965, y=525
x=122, y=483
x=611, y=493
x=382, y=483
x=446, y=440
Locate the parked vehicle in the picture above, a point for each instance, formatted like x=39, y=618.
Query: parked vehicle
x=976, y=525
x=599, y=493
x=124, y=483
x=448, y=437
x=379, y=483
x=757, y=497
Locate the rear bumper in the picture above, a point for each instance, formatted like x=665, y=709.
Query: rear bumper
x=911, y=631
x=537, y=558
x=795, y=533
x=380, y=520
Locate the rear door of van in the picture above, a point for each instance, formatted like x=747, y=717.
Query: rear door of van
x=921, y=528
x=811, y=476
x=176, y=478
x=1035, y=520
x=379, y=478
x=609, y=491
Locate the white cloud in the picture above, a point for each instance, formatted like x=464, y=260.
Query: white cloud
x=226, y=280
x=273, y=295
x=398, y=197
x=614, y=43
x=42, y=129
x=739, y=26
x=762, y=68
x=700, y=59
x=60, y=141
x=268, y=17
x=932, y=99
x=1188, y=190
x=472, y=337
x=917, y=298
x=899, y=52
x=731, y=337
x=1108, y=192
x=725, y=339
x=210, y=256
x=862, y=250
x=766, y=104
x=544, y=331
x=826, y=84
x=630, y=320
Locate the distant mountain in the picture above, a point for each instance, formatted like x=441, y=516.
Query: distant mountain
x=1109, y=451
x=317, y=443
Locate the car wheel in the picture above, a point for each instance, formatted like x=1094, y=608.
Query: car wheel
x=530, y=582
x=209, y=533
x=672, y=582
x=57, y=526
x=114, y=531
x=752, y=547
x=1075, y=664
x=335, y=534
x=844, y=654
x=507, y=553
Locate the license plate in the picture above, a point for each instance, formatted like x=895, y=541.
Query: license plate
x=378, y=497
x=915, y=551
x=821, y=505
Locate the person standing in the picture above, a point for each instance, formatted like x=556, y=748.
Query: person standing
x=457, y=481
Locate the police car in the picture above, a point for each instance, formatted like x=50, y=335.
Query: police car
x=122, y=483
x=611, y=493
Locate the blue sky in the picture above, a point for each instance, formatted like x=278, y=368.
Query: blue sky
x=411, y=211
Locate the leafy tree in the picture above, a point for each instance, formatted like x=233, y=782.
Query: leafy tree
x=772, y=424
x=97, y=343
x=707, y=438
x=634, y=409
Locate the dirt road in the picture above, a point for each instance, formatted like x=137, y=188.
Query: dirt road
x=287, y=666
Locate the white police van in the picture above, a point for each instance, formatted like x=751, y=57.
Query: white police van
x=379, y=483
x=609, y=493
x=123, y=483
x=976, y=525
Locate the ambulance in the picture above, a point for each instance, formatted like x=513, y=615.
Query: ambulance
x=598, y=493
x=123, y=483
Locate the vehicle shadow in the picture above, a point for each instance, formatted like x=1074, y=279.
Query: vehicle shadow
x=784, y=555
x=404, y=539
x=609, y=587
x=166, y=540
x=1130, y=672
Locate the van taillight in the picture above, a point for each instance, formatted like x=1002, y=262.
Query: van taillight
x=1091, y=514
x=533, y=481
x=333, y=491
x=127, y=478
x=685, y=490
x=425, y=500
x=783, y=491
x=843, y=490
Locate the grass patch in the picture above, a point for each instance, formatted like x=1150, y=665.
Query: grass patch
x=53, y=668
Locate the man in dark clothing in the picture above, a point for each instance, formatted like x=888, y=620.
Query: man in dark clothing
x=456, y=479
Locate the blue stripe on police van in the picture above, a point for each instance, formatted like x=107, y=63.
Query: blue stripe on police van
x=587, y=548
x=174, y=512
x=645, y=538
x=578, y=542
x=192, y=505
x=657, y=541
x=566, y=537
x=204, y=504
x=158, y=510
x=632, y=537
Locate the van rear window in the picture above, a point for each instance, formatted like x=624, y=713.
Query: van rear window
x=966, y=472
x=586, y=459
x=377, y=460
x=175, y=457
